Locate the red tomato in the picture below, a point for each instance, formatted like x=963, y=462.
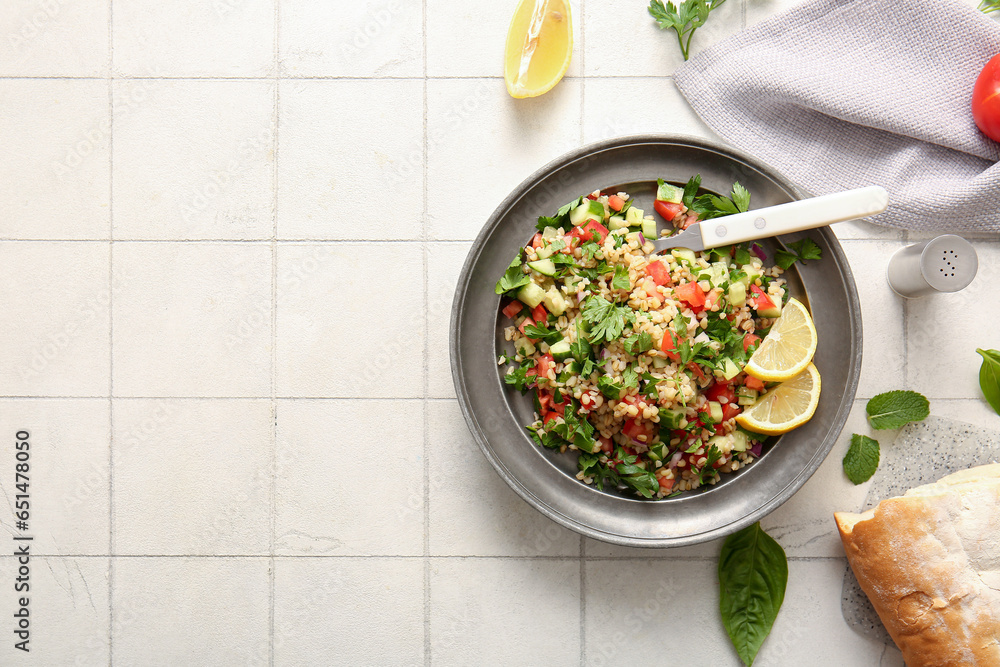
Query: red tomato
x=753, y=383
x=669, y=346
x=749, y=340
x=760, y=301
x=696, y=369
x=525, y=323
x=639, y=430
x=720, y=390
x=536, y=240
x=986, y=99
x=539, y=314
x=544, y=365
x=658, y=272
x=615, y=202
x=667, y=209
x=686, y=221
x=592, y=231
x=712, y=299
x=665, y=484
x=730, y=410
x=549, y=416
x=512, y=309
x=692, y=293
x=544, y=400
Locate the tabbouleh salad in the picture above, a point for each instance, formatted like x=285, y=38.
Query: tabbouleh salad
x=636, y=360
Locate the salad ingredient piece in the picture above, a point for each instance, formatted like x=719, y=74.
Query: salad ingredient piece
x=539, y=47
x=861, y=460
x=683, y=19
x=799, y=251
x=989, y=377
x=896, y=409
x=788, y=347
x=753, y=573
x=784, y=407
x=986, y=99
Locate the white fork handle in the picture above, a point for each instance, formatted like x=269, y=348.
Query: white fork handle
x=794, y=216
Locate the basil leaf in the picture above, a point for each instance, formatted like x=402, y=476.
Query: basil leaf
x=895, y=409
x=989, y=377
x=861, y=460
x=753, y=572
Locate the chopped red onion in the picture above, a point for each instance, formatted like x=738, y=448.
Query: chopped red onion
x=755, y=450
x=759, y=252
x=642, y=239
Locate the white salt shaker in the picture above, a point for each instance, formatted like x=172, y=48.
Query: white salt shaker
x=944, y=264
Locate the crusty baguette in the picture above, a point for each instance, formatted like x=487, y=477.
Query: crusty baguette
x=929, y=561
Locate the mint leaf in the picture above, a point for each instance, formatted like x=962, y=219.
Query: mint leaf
x=861, y=459
x=753, y=573
x=895, y=409
x=989, y=377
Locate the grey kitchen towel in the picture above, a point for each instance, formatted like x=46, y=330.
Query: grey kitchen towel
x=838, y=94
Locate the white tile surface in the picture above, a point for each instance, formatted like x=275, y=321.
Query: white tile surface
x=54, y=332
x=331, y=501
x=173, y=611
x=350, y=160
x=193, y=159
x=932, y=321
x=55, y=171
x=192, y=38
x=522, y=612
x=57, y=38
x=609, y=113
x=444, y=263
x=472, y=510
x=468, y=39
x=67, y=611
x=192, y=477
x=883, y=361
x=192, y=319
x=479, y=140
x=622, y=39
x=338, y=335
x=372, y=38
x=68, y=479
x=349, y=611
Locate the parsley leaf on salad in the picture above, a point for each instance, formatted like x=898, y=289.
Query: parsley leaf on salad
x=513, y=278
x=799, y=251
x=608, y=319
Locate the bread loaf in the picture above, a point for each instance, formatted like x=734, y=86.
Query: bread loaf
x=929, y=561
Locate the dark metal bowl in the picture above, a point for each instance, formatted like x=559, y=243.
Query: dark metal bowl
x=497, y=414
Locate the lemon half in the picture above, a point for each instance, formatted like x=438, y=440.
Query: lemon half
x=539, y=47
x=784, y=407
x=788, y=347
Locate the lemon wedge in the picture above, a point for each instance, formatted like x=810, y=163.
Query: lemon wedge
x=539, y=47
x=784, y=407
x=787, y=348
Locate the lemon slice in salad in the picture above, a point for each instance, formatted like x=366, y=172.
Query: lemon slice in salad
x=787, y=348
x=784, y=407
x=539, y=47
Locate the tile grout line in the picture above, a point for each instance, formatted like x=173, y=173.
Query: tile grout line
x=426, y=379
x=274, y=332
x=111, y=330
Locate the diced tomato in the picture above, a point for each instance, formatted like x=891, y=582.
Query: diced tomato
x=607, y=446
x=668, y=210
x=512, y=309
x=712, y=299
x=749, y=340
x=544, y=365
x=753, y=383
x=539, y=314
x=659, y=273
x=721, y=390
x=665, y=484
x=686, y=221
x=730, y=410
x=544, y=400
x=696, y=369
x=669, y=346
x=592, y=231
x=536, y=241
x=593, y=195
x=549, y=416
x=639, y=430
x=559, y=408
x=760, y=300
x=692, y=293
x=525, y=323
x=615, y=202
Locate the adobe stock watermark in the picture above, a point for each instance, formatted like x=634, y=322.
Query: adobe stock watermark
x=376, y=22
x=34, y=22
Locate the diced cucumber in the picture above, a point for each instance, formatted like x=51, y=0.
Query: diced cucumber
x=729, y=369
x=543, y=252
x=671, y=418
x=738, y=294
x=770, y=312
x=718, y=274
x=715, y=411
x=560, y=350
x=753, y=272
x=740, y=441
x=724, y=443
x=590, y=209
x=634, y=216
x=670, y=193
x=632, y=236
x=528, y=349
x=746, y=391
x=531, y=294
x=595, y=446
x=550, y=233
x=649, y=229
x=657, y=452
x=746, y=400
x=617, y=222
x=544, y=267
x=660, y=362
x=554, y=301
x=684, y=255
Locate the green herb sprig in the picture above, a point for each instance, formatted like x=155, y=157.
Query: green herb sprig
x=889, y=410
x=683, y=19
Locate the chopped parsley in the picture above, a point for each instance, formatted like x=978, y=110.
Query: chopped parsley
x=607, y=319
x=799, y=251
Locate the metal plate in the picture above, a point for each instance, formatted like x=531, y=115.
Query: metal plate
x=496, y=415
